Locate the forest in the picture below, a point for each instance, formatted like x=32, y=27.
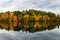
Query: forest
x=28, y=20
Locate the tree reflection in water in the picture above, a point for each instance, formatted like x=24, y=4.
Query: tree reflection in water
x=29, y=20
x=29, y=26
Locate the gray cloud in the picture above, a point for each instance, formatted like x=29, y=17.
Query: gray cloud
x=52, y=5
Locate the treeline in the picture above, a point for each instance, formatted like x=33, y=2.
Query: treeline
x=29, y=15
x=28, y=20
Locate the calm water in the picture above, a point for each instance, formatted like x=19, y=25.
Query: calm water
x=44, y=34
x=30, y=31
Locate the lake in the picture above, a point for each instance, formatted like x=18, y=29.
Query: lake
x=30, y=31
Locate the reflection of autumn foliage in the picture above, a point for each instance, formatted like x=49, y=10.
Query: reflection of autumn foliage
x=29, y=20
x=15, y=21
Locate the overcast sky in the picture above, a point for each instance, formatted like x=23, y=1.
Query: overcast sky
x=46, y=5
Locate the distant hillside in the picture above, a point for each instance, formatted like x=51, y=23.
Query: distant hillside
x=28, y=20
x=29, y=15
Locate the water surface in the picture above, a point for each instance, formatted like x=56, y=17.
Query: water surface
x=39, y=31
